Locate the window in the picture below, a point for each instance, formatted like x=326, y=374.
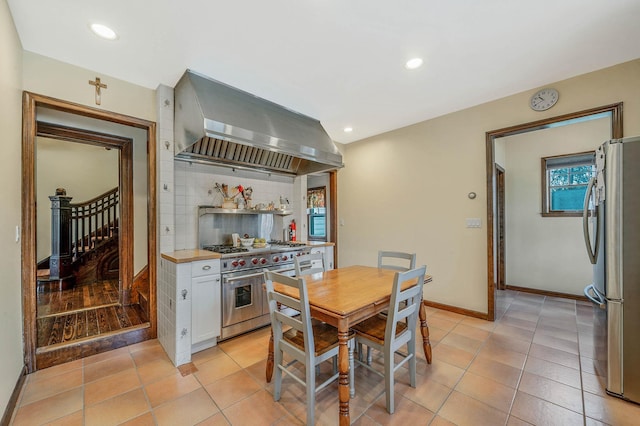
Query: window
x=564, y=183
x=317, y=214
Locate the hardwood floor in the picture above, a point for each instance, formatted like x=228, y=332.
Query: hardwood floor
x=74, y=326
x=78, y=298
x=83, y=312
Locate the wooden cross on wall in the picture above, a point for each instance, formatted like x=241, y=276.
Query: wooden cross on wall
x=98, y=86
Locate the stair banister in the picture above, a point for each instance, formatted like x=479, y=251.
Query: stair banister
x=60, y=262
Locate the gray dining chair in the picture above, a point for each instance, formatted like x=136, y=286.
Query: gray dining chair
x=395, y=261
x=308, y=264
x=306, y=342
x=398, y=329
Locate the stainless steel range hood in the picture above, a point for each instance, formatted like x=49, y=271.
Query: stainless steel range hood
x=218, y=124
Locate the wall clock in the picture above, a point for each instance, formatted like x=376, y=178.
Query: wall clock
x=544, y=99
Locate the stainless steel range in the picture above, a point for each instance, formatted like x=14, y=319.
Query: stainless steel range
x=244, y=304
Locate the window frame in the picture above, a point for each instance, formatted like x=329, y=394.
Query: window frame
x=545, y=189
x=321, y=191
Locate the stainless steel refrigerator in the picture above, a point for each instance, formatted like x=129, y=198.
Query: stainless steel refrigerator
x=611, y=222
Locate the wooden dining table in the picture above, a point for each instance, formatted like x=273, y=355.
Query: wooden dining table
x=344, y=297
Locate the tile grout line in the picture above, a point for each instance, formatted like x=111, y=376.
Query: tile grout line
x=522, y=370
x=555, y=381
x=453, y=388
x=144, y=390
x=220, y=410
x=584, y=407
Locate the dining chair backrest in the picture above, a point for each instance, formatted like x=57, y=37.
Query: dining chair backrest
x=411, y=296
x=308, y=264
x=279, y=317
x=399, y=330
x=303, y=341
x=396, y=260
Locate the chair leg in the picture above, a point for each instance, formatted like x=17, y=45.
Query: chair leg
x=352, y=382
x=369, y=356
x=277, y=385
x=411, y=347
x=389, y=380
x=311, y=392
x=335, y=364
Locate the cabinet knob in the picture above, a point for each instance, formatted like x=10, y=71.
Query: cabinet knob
x=206, y=267
x=184, y=293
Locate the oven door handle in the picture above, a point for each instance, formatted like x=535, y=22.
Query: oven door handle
x=242, y=277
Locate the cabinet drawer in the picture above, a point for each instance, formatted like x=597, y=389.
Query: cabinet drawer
x=205, y=267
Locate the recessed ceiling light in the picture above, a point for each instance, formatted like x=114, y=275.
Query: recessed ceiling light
x=413, y=63
x=348, y=129
x=103, y=31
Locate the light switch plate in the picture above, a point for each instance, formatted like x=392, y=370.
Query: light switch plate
x=474, y=222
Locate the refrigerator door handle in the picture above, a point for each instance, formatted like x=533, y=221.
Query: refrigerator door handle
x=592, y=251
x=592, y=294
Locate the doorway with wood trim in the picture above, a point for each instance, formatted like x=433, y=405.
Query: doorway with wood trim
x=612, y=113
x=86, y=296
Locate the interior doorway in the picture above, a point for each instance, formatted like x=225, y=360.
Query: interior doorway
x=613, y=112
x=84, y=217
x=325, y=188
x=133, y=287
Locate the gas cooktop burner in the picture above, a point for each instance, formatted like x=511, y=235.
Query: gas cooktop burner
x=226, y=249
x=287, y=243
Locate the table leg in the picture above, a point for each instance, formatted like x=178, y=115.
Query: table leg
x=424, y=330
x=269, y=369
x=343, y=379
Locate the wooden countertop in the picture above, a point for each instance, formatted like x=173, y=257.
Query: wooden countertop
x=185, y=256
x=320, y=244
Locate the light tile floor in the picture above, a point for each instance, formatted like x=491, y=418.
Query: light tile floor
x=532, y=366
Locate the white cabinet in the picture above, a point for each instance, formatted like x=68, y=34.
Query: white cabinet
x=189, y=314
x=327, y=252
x=205, y=304
x=328, y=257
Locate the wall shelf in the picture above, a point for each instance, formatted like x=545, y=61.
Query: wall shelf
x=219, y=210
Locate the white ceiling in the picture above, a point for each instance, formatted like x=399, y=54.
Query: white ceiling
x=342, y=61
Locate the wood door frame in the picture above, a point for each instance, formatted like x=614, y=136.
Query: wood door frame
x=333, y=214
x=501, y=229
x=125, y=188
x=616, y=132
x=30, y=103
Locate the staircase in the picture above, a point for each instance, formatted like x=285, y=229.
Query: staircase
x=84, y=242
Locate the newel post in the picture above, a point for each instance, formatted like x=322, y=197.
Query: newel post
x=61, y=251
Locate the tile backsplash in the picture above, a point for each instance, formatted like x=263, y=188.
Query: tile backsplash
x=195, y=186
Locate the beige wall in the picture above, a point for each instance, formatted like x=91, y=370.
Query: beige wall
x=407, y=189
x=50, y=77
x=95, y=171
x=10, y=176
x=545, y=253
x=57, y=79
